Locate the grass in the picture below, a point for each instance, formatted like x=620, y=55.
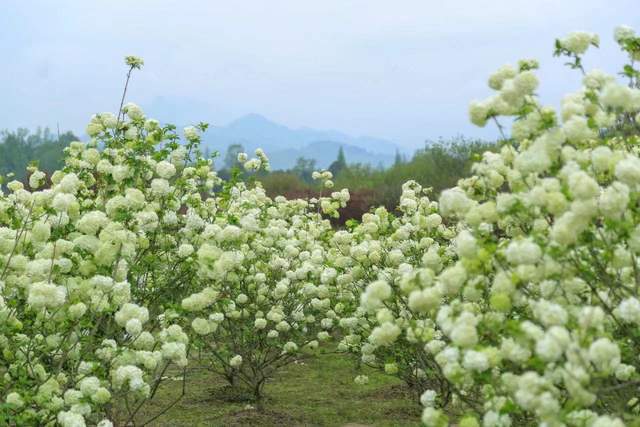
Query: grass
x=316, y=391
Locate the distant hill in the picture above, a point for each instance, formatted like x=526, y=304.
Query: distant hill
x=284, y=145
x=325, y=152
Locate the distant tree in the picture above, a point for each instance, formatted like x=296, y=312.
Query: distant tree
x=398, y=159
x=339, y=164
x=304, y=168
x=21, y=147
x=231, y=158
x=438, y=165
x=286, y=184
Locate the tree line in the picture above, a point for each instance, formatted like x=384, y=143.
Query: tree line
x=438, y=165
x=22, y=147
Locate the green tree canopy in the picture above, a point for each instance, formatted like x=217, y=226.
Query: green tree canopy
x=339, y=164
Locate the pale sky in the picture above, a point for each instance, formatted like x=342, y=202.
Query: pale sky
x=401, y=70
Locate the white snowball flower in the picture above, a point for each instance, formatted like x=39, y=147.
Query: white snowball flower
x=607, y=421
x=14, y=399
x=165, y=169
x=553, y=344
x=454, y=202
x=466, y=244
x=71, y=419
x=577, y=129
x=384, y=334
x=46, y=295
x=523, y=252
x=464, y=335
x=583, y=186
x=375, y=293
x=133, y=111
x=235, y=361
x=628, y=171
x=428, y=398
x=629, y=310
x=191, y=133
x=131, y=311
x=618, y=96
x=36, y=179
x=579, y=41
x=475, y=361
x=452, y=279
x=604, y=354
x=622, y=33
x=131, y=376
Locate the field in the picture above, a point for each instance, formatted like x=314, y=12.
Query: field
x=313, y=392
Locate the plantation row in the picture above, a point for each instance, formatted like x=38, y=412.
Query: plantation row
x=513, y=299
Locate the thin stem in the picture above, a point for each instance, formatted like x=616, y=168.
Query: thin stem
x=124, y=94
x=173, y=403
x=17, y=241
x=53, y=254
x=500, y=128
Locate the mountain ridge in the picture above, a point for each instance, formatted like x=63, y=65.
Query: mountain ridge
x=284, y=145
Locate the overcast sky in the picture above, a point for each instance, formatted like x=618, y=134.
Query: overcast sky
x=402, y=70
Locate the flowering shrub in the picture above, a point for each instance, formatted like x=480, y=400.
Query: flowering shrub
x=94, y=270
x=78, y=341
x=534, y=318
x=266, y=295
x=85, y=267
x=386, y=255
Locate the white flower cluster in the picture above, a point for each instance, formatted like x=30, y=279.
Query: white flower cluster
x=260, y=162
x=515, y=87
x=578, y=42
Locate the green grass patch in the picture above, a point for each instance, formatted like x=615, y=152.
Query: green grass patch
x=315, y=391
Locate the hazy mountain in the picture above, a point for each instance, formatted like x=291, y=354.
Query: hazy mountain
x=284, y=145
x=325, y=152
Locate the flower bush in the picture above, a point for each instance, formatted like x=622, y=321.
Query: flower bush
x=386, y=263
x=266, y=294
x=82, y=264
x=535, y=318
